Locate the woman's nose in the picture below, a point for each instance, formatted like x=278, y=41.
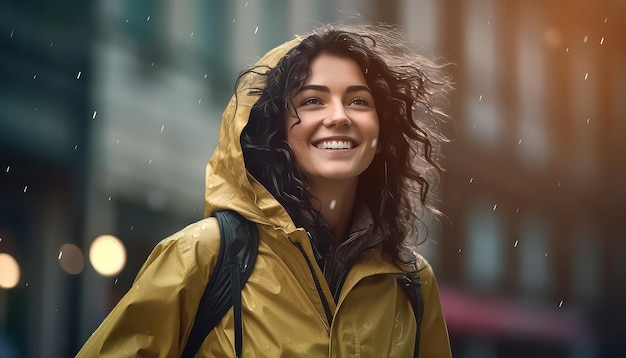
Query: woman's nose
x=337, y=116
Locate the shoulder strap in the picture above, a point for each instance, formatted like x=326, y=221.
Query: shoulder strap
x=239, y=245
x=411, y=285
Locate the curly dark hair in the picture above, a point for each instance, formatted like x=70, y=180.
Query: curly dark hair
x=398, y=185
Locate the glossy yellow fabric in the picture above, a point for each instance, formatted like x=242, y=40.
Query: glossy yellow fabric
x=283, y=314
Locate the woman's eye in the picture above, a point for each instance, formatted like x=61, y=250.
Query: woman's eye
x=311, y=101
x=359, y=102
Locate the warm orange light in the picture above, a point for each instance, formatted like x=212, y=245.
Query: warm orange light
x=9, y=271
x=107, y=255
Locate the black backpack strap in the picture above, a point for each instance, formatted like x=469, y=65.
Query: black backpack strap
x=239, y=243
x=411, y=284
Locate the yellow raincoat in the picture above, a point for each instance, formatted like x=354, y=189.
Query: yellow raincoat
x=283, y=312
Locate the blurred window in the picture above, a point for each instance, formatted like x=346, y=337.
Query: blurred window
x=484, y=247
x=482, y=115
x=421, y=21
x=584, y=77
x=535, y=257
x=586, y=264
x=533, y=136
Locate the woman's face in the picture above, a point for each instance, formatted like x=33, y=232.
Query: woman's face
x=337, y=137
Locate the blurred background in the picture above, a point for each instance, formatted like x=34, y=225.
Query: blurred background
x=110, y=110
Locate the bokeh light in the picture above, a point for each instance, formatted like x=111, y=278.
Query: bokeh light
x=71, y=259
x=107, y=255
x=10, y=272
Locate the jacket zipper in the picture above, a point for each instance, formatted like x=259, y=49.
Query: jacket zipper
x=320, y=292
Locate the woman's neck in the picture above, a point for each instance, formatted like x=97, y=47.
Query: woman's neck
x=335, y=201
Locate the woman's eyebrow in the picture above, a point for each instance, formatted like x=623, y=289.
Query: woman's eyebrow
x=357, y=88
x=320, y=88
x=314, y=88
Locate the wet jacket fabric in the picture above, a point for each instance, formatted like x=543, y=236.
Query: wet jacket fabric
x=289, y=308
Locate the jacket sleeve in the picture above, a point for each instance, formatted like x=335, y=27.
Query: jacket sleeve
x=155, y=316
x=434, y=341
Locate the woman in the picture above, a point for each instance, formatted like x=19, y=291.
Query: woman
x=329, y=147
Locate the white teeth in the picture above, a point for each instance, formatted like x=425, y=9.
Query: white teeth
x=335, y=144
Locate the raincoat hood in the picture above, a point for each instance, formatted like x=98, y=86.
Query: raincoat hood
x=228, y=184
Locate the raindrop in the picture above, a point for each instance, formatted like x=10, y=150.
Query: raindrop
x=94, y=114
x=117, y=141
x=332, y=204
x=602, y=40
x=132, y=227
x=152, y=64
x=586, y=75
x=366, y=70
x=588, y=119
x=561, y=304
x=13, y=31
x=126, y=20
x=8, y=168
x=516, y=242
x=206, y=74
x=162, y=127
x=585, y=39
x=60, y=255
x=567, y=50
x=460, y=250
x=76, y=147
x=192, y=34
x=148, y=19
x=517, y=211
x=233, y=21
x=471, y=180
x=51, y=43
x=559, y=184
x=606, y=19
x=546, y=255
x=494, y=207
x=374, y=142
x=78, y=75
x=109, y=198
x=256, y=30
x=480, y=98
x=200, y=101
x=25, y=188
x=246, y=5
x=150, y=161
x=116, y=280
x=26, y=284
x=35, y=76
x=519, y=141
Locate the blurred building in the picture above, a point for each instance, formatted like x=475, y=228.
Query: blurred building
x=111, y=110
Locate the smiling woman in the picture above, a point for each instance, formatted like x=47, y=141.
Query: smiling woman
x=331, y=131
x=328, y=148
